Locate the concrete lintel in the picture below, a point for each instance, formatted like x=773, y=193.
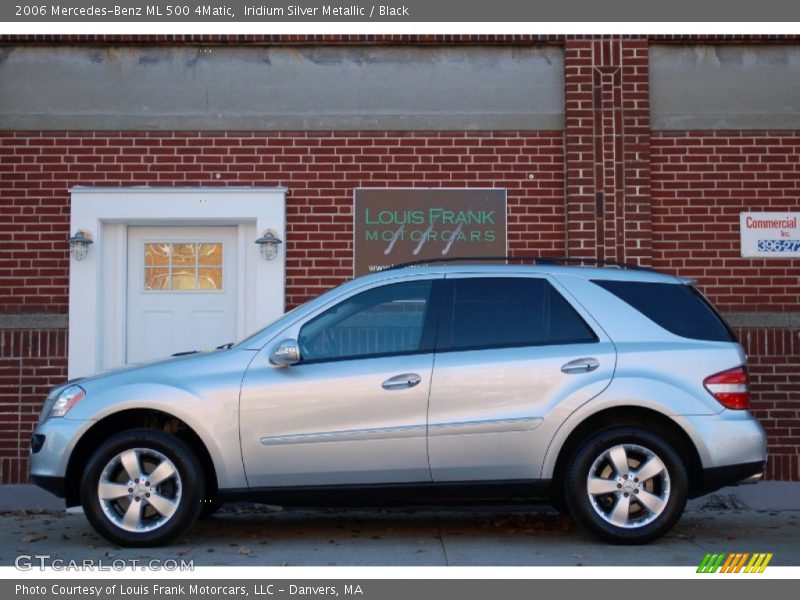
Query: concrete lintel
x=720, y=122
x=33, y=321
x=285, y=122
x=185, y=87
x=724, y=86
x=763, y=320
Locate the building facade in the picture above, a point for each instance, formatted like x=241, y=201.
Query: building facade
x=634, y=148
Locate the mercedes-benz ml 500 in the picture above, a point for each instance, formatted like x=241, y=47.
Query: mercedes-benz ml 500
x=616, y=392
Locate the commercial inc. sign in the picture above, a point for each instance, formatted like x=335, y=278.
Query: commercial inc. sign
x=770, y=234
x=394, y=226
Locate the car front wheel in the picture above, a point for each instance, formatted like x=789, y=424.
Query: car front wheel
x=141, y=488
x=626, y=485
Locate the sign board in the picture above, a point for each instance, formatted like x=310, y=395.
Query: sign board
x=770, y=234
x=393, y=226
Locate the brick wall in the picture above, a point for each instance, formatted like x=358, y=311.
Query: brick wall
x=701, y=181
x=320, y=169
x=606, y=187
x=31, y=362
x=773, y=359
x=607, y=148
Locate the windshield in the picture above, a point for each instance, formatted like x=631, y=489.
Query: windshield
x=253, y=341
x=321, y=299
x=252, y=336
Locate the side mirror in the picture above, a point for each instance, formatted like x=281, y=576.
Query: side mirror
x=285, y=353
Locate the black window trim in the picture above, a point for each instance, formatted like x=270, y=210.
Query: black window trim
x=444, y=334
x=427, y=340
x=707, y=302
x=693, y=290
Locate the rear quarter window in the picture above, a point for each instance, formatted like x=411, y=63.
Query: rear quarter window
x=678, y=308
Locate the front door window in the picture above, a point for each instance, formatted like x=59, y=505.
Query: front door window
x=383, y=321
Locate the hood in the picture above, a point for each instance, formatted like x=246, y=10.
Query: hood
x=132, y=368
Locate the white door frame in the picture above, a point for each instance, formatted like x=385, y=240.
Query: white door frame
x=97, y=284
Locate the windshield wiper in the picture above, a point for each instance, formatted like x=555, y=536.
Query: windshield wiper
x=186, y=353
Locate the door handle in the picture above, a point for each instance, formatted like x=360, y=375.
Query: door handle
x=580, y=365
x=406, y=380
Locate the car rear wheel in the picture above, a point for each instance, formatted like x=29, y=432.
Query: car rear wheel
x=142, y=487
x=626, y=485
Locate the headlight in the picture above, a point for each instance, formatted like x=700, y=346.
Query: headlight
x=68, y=398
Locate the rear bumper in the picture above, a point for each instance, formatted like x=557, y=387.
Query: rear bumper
x=731, y=439
x=719, y=477
x=731, y=446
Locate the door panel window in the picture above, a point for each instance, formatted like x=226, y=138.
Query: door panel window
x=182, y=266
x=388, y=320
x=501, y=312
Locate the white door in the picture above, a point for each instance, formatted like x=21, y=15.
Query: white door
x=181, y=290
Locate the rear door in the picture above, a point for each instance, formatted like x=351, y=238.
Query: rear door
x=512, y=355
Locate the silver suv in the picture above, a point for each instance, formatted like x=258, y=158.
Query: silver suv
x=615, y=392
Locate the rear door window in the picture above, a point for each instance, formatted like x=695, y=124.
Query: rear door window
x=678, y=308
x=497, y=312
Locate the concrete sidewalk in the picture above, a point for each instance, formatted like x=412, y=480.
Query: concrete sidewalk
x=487, y=537
x=761, y=518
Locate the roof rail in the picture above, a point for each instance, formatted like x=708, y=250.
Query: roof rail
x=534, y=260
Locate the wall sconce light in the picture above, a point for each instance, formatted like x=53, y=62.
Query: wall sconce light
x=79, y=244
x=268, y=244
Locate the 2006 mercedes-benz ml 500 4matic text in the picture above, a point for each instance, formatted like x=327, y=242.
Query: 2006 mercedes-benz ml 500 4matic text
x=616, y=392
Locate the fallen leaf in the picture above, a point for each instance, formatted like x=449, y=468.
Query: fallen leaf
x=33, y=537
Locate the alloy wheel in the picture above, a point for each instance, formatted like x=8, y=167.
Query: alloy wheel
x=139, y=490
x=628, y=486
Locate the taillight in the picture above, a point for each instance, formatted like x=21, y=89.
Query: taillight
x=731, y=388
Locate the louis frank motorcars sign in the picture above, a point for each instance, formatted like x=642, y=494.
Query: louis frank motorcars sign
x=393, y=226
x=770, y=234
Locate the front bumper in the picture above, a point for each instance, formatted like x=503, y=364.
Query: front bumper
x=54, y=485
x=54, y=441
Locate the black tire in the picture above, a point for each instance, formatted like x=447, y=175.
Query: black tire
x=208, y=507
x=184, y=489
x=595, y=513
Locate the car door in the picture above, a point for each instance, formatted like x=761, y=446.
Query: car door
x=512, y=356
x=353, y=410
